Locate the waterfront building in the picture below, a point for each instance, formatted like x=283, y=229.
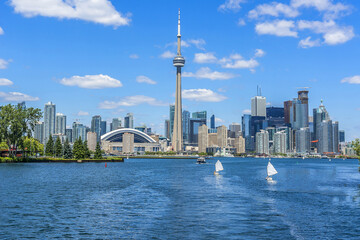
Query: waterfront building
x=222, y=135
x=142, y=128
x=258, y=106
x=212, y=122
x=91, y=140
x=319, y=115
x=287, y=109
x=179, y=62
x=49, y=120
x=194, y=130
x=128, y=121
x=96, y=126
x=203, y=138
x=336, y=139
x=240, y=144
x=68, y=133
x=171, y=114
x=200, y=115
x=289, y=138
x=167, y=128
x=302, y=140
x=39, y=132
x=185, y=125
x=102, y=128
x=280, y=142
x=128, y=140
x=342, y=136
x=262, y=142
x=212, y=140
x=79, y=130
x=326, y=137
x=275, y=116
x=235, y=130
x=115, y=124
x=60, y=123
x=62, y=137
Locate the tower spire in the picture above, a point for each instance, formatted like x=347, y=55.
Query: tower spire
x=179, y=24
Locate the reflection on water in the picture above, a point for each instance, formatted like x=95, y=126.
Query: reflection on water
x=179, y=199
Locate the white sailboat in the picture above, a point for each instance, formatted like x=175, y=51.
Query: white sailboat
x=218, y=167
x=270, y=171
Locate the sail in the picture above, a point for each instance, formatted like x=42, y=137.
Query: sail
x=271, y=170
x=218, y=166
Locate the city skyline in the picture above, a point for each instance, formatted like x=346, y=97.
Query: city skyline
x=136, y=74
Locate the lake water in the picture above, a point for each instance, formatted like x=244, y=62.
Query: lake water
x=178, y=199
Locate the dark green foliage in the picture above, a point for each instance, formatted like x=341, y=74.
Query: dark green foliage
x=49, y=148
x=78, y=149
x=98, y=154
x=86, y=150
x=67, y=150
x=356, y=146
x=58, y=148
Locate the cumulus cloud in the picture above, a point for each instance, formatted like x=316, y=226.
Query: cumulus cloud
x=205, y=58
x=92, y=81
x=99, y=11
x=145, y=79
x=236, y=61
x=280, y=28
x=241, y=22
x=168, y=54
x=330, y=9
x=206, y=73
x=202, y=95
x=274, y=9
x=246, y=111
x=5, y=82
x=134, y=56
x=351, y=80
x=219, y=120
x=1, y=31
x=3, y=63
x=131, y=101
x=233, y=5
x=82, y=113
x=308, y=43
x=16, y=97
x=199, y=43
x=259, y=53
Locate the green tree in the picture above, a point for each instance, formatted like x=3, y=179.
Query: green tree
x=4, y=146
x=86, y=150
x=78, y=149
x=98, y=154
x=17, y=122
x=49, y=149
x=356, y=146
x=67, y=150
x=58, y=148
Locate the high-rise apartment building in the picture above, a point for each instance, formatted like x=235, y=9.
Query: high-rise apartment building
x=319, y=115
x=129, y=121
x=103, y=127
x=91, y=140
x=49, y=120
x=212, y=121
x=203, y=138
x=342, y=136
x=171, y=114
x=115, y=124
x=222, y=135
x=280, y=142
x=302, y=140
x=96, y=126
x=167, y=128
x=186, y=125
x=240, y=144
x=60, y=123
x=326, y=137
x=194, y=129
x=39, y=132
x=68, y=133
x=78, y=131
x=336, y=138
x=262, y=142
x=235, y=130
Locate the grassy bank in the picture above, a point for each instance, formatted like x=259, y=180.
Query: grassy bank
x=51, y=159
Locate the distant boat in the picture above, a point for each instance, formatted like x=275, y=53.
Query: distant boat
x=218, y=167
x=201, y=160
x=270, y=171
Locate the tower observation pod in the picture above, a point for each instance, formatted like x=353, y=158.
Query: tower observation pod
x=178, y=62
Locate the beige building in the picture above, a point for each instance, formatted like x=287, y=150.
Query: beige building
x=91, y=141
x=212, y=139
x=203, y=138
x=222, y=136
x=128, y=143
x=240, y=144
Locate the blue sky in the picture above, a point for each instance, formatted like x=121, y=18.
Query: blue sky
x=113, y=57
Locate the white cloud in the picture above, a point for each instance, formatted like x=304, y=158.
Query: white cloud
x=206, y=73
x=131, y=101
x=273, y=9
x=82, y=113
x=168, y=54
x=246, y=111
x=205, y=58
x=5, y=82
x=332, y=33
x=259, y=53
x=241, y=22
x=145, y=79
x=281, y=28
x=134, y=56
x=92, y=81
x=3, y=63
x=98, y=11
x=219, y=120
x=235, y=61
x=331, y=10
x=308, y=43
x=1, y=31
x=202, y=95
x=16, y=97
x=199, y=43
x=352, y=80
x=233, y=5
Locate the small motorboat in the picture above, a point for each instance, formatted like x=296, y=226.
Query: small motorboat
x=201, y=160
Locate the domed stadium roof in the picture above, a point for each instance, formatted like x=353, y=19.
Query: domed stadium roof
x=117, y=136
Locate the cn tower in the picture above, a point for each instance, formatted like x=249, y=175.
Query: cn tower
x=179, y=62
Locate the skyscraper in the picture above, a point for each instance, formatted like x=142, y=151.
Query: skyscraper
x=195, y=123
x=128, y=121
x=258, y=106
x=202, y=115
x=103, y=127
x=299, y=111
x=280, y=142
x=49, y=120
x=326, y=137
x=171, y=114
x=96, y=126
x=336, y=138
x=203, y=138
x=178, y=62
x=167, y=128
x=185, y=125
x=212, y=121
x=235, y=130
x=342, y=136
x=319, y=114
x=60, y=123
x=222, y=135
x=39, y=132
x=115, y=124
x=262, y=142
x=302, y=140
